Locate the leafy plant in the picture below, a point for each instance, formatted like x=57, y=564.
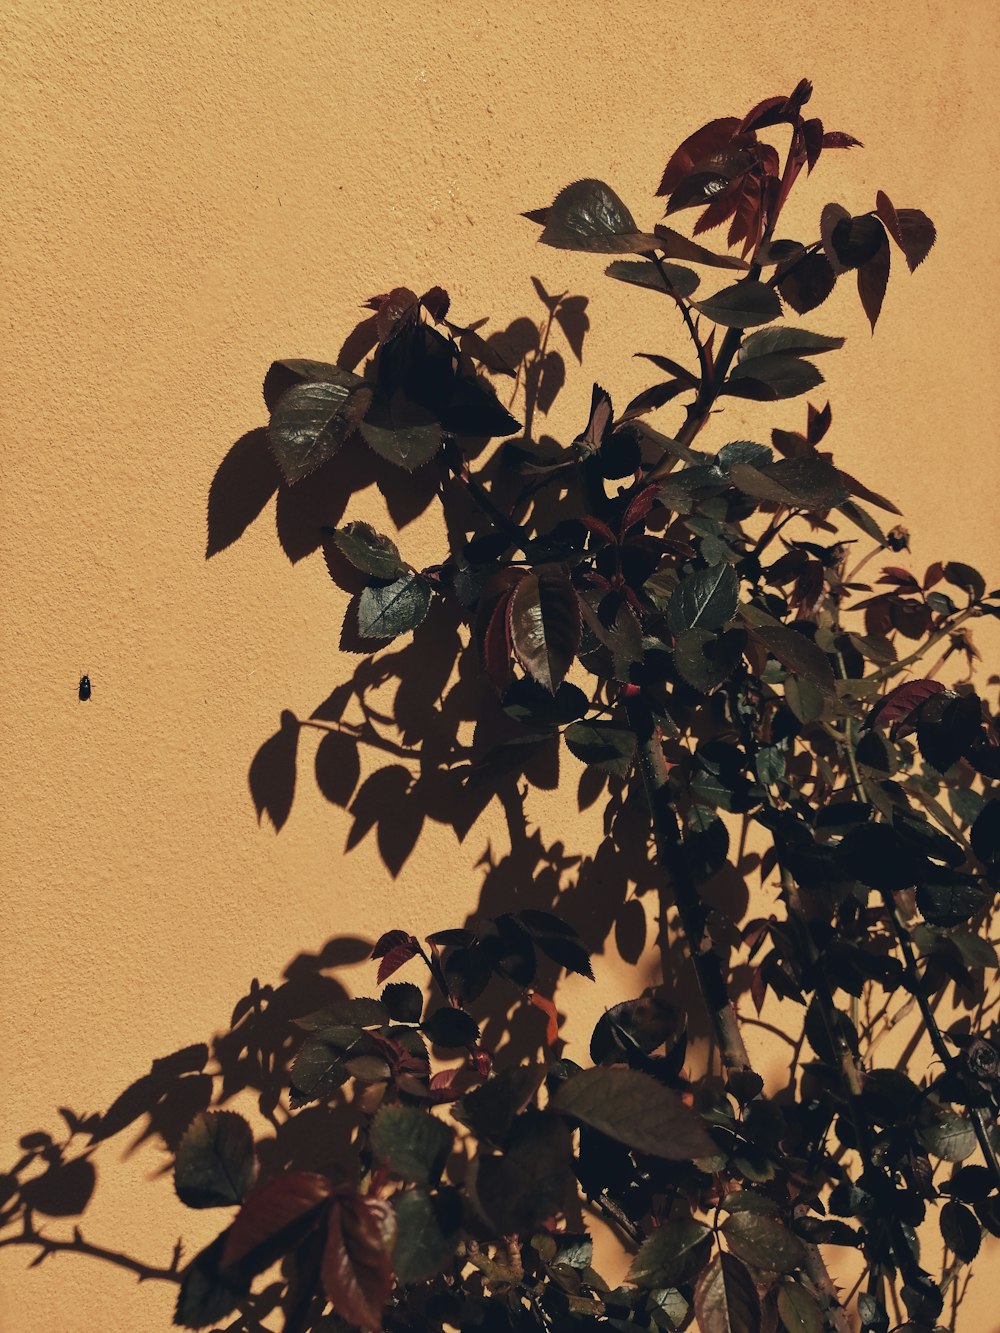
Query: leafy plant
x=695, y=628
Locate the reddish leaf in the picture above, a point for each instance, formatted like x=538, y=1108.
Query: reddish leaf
x=758, y=989
x=934, y=574
x=599, y=424
x=748, y=221
x=812, y=139
x=492, y=628
x=911, y=229
x=394, y=948
x=546, y=625
x=863, y=493
x=771, y=111
x=896, y=707
x=436, y=302
x=600, y=529
x=274, y=1218
x=710, y=139
x=657, y=395
x=806, y=283
x=873, y=278
x=722, y=207
x=549, y=1009
x=640, y=507
x=725, y=1298
x=901, y=577
x=399, y=307
x=357, y=1268
x=838, y=139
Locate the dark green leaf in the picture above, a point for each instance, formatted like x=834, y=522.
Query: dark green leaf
x=427, y=1234
x=216, y=1164
x=208, y=1292
x=284, y=375
x=532, y=1180
x=985, y=833
x=636, y=1110
x=793, y=342
x=402, y=432
x=568, y=954
x=946, y=1134
x=490, y=1110
x=705, y=599
x=644, y=273
x=588, y=215
x=602, y=745
x=743, y=451
x=369, y=550
x=675, y=245
x=312, y=420
x=793, y=650
x=863, y=520
x=705, y=659
x=403, y=1001
x=741, y=306
x=768, y=378
x=801, y=483
x=947, y=902
x=675, y=1252
x=451, y=1027
x=545, y=624
x=798, y=1309
x=386, y=610
x=414, y=1143
x=962, y=1233
x=763, y=1243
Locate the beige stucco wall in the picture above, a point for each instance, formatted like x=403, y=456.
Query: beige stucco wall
x=192, y=189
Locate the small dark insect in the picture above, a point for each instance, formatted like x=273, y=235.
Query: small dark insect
x=84, y=688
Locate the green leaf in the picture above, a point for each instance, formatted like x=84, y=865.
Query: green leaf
x=793, y=650
x=208, y=1291
x=602, y=745
x=798, y=1309
x=402, y=432
x=546, y=624
x=588, y=215
x=636, y=1110
x=369, y=550
x=985, y=832
x=705, y=659
x=284, y=375
x=741, y=306
x=532, y=1180
x=427, y=1234
x=725, y=1299
x=644, y=273
x=675, y=245
x=674, y=1253
x=414, y=1143
x=312, y=420
x=216, y=1164
x=386, y=610
x=946, y=1134
x=705, y=599
x=961, y=1231
x=763, y=1243
x=793, y=342
x=769, y=378
x=801, y=483
x=490, y=1110
x=948, y=902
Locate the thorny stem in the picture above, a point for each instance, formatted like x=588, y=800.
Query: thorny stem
x=682, y=306
x=976, y=1113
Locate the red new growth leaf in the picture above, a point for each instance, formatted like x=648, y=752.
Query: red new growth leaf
x=639, y=508
x=912, y=230
x=357, y=1264
x=395, y=948
x=838, y=139
x=546, y=625
x=898, y=705
x=819, y=423
x=436, y=303
x=710, y=139
x=399, y=307
x=548, y=1008
x=873, y=278
x=274, y=1218
x=492, y=628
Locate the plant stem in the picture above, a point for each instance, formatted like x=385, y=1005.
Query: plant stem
x=976, y=1113
x=690, y=908
x=688, y=321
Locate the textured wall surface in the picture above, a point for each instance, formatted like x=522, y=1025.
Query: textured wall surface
x=193, y=189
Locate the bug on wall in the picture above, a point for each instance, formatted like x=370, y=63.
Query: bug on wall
x=84, y=689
